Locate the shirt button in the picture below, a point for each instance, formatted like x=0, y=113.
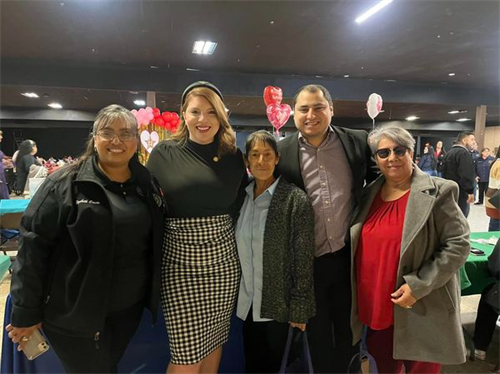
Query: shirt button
x=330, y=238
x=328, y=219
x=327, y=202
x=321, y=167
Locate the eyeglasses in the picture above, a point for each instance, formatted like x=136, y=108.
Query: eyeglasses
x=399, y=151
x=124, y=136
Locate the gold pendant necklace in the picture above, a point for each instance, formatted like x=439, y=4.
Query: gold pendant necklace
x=216, y=159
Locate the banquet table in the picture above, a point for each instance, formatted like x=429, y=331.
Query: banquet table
x=474, y=274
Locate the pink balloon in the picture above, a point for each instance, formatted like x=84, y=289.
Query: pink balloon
x=374, y=105
x=278, y=115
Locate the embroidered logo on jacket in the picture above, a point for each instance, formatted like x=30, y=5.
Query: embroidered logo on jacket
x=85, y=201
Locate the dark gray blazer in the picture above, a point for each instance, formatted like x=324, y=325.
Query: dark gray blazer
x=356, y=149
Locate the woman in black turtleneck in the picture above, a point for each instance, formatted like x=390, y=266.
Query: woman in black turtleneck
x=201, y=172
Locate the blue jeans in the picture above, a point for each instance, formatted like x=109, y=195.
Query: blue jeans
x=494, y=225
x=432, y=173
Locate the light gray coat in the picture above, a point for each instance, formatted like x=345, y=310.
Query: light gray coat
x=434, y=245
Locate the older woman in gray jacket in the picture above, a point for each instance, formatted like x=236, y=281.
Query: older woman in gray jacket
x=409, y=238
x=275, y=238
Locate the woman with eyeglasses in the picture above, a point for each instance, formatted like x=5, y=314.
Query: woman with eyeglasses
x=409, y=239
x=89, y=259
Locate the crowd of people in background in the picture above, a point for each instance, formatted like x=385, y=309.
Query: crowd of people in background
x=338, y=233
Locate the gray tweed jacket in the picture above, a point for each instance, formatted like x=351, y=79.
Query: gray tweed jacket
x=288, y=255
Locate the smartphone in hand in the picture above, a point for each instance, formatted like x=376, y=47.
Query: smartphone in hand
x=36, y=345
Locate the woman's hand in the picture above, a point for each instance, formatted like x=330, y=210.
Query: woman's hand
x=301, y=326
x=21, y=334
x=403, y=297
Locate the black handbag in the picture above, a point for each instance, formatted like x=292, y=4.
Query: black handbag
x=296, y=357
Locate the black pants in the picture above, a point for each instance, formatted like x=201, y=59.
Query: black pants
x=483, y=186
x=87, y=355
x=329, y=332
x=485, y=322
x=462, y=202
x=264, y=344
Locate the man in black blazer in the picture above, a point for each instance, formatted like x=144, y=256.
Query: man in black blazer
x=331, y=164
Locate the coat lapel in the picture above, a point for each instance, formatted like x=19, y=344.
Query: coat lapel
x=419, y=206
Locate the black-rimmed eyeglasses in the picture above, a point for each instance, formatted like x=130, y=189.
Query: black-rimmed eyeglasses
x=399, y=151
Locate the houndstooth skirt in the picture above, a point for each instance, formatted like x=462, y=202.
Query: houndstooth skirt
x=200, y=278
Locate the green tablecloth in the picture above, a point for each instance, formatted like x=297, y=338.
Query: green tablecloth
x=474, y=275
x=4, y=265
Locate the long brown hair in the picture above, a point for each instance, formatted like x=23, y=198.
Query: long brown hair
x=226, y=136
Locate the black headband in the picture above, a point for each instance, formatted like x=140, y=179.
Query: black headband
x=198, y=84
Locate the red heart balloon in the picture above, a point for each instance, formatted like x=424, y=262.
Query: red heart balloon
x=278, y=115
x=165, y=116
x=156, y=112
x=273, y=95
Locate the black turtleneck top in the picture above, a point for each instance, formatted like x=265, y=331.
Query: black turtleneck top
x=195, y=181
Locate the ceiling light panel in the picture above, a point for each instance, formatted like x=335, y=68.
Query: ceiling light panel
x=202, y=47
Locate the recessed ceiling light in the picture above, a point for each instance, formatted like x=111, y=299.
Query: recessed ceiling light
x=139, y=102
x=201, y=47
x=370, y=12
x=346, y=75
x=458, y=111
x=154, y=67
x=30, y=94
x=55, y=106
x=190, y=69
x=463, y=119
x=411, y=118
x=272, y=22
x=451, y=74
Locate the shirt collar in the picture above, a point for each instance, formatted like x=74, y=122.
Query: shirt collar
x=329, y=136
x=271, y=189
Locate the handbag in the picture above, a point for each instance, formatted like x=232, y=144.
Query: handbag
x=367, y=361
x=296, y=356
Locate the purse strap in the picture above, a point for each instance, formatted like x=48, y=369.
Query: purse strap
x=288, y=346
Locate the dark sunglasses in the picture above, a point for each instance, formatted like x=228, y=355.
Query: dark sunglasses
x=399, y=151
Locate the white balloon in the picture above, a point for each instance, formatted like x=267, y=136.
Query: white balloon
x=374, y=105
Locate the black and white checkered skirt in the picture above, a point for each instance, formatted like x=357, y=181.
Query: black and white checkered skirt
x=200, y=278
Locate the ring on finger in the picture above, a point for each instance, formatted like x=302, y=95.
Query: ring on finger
x=408, y=307
x=25, y=338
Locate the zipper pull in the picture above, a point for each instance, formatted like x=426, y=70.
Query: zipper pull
x=96, y=340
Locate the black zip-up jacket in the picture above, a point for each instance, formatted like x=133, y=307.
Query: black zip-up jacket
x=62, y=276
x=459, y=167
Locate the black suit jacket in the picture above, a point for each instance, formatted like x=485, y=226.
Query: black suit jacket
x=355, y=147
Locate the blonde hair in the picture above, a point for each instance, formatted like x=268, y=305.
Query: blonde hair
x=225, y=136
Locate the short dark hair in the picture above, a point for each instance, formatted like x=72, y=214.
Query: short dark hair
x=313, y=88
x=262, y=136
x=463, y=135
x=485, y=149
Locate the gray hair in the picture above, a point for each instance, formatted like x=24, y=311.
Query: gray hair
x=393, y=132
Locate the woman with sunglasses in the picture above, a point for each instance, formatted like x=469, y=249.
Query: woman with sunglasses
x=409, y=239
x=89, y=259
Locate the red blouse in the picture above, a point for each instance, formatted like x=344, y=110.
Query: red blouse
x=377, y=260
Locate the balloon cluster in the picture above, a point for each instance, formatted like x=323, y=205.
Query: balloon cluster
x=166, y=120
x=277, y=113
